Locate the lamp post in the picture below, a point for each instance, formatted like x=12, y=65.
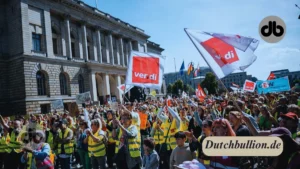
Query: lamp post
x=299, y=8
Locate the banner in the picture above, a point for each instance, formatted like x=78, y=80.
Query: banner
x=123, y=90
x=57, y=104
x=275, y=85
x=224, y=53
x=83, y=98
x=200, y=94
x=249, y=86
x=145, y=70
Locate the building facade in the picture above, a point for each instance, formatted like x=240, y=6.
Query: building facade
x=56, y=49
x=236, y=78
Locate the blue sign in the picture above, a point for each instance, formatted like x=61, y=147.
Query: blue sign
x=275, y=85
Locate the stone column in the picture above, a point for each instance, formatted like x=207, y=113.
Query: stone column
x=107, y=47
x=48, y=33
x=119, y=94
x=145, y=44
x=118, y=52
x=98, y=43
x=26, y=33
x=93, y=87
x=84, y=41
x=67, y=48
x=107, y=85
x=111, y=49
x=121, y=51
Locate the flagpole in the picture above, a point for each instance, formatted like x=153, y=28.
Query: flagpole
x=185, y=29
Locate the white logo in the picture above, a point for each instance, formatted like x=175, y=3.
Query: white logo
x=229, y=55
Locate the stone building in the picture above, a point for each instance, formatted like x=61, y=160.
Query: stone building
x=56, y=49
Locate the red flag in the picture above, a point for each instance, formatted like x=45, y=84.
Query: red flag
x=200, y=94
x=271, y=76
x=235, y=85
x=169, y=101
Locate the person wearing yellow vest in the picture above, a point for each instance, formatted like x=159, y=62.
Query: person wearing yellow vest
x=157, y=133
x=82, y=147
x=37, y=153
x=96, y=140
x=111, y=145
x=128, y=153
x=184, y=123
x=4, y=149
x=65, y=146
x=171, y=126
x=15, y=144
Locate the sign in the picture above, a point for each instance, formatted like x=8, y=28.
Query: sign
x=249, y=86
x=275, y=85
x=114, y=106
x=145, y=70
x=114, y=99
x=83, y=98
x=57, y=104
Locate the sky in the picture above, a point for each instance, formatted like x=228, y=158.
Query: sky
x=165, y=20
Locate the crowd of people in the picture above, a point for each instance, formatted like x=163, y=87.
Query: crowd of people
x=153, y=134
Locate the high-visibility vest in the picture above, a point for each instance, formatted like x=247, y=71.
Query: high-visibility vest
x=171, y=141
x=49, y=137
x=134, y=147
x=4, y=144
x=96, y=149
x=184, y=125
x=109, y=134
x=69, y=147
x=158, y=136
x=144, y=119
x=14, y=142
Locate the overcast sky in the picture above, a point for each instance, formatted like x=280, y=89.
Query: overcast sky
x=164, y=21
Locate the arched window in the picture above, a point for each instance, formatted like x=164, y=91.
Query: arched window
x=81, y=84
x=63, y=84
x=41, y=83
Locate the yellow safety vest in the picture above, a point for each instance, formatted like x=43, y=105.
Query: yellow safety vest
x=184, y=125
x=4, y=144
x=49, y=138
x=171, y=141
x=96, y=149
x=134, y=146
x=109, y=134
x=29, y=160
x=14, y=143
x=69, y=147
x=158, y=136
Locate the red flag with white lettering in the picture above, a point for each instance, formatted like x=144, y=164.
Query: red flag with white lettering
x=224, y=53
x=145, y=70
x=200, y=94
x=249, y=86
x=271, y=76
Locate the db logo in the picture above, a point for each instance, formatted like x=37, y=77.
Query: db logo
x=222, y=52
x=272, y=29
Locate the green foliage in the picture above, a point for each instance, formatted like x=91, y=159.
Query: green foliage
x=210, y=83
x=170, y=88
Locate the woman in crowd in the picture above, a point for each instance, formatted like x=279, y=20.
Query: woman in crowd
x=266, y=120
x=82, y=147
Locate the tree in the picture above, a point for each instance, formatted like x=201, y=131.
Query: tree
x=170, y=88
x=210, y=83
x=188, y=89
x=178, y=85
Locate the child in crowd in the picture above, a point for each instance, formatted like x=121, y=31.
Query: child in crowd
x=151, y=158
x=182, y=152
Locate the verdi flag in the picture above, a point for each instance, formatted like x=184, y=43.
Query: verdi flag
x=145, y=70
x=224, y=53
x=271, y=76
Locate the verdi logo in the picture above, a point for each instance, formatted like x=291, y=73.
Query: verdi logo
x=272, y=29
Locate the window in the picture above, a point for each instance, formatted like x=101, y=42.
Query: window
x=54, y=41
x=73, y=48
x=81, y=84
x=36, y=42
x=41, y=83
x=45, y=108
x=115, y=48
x=63, y=84
x=88, y=53
x=125, y=43
x=103, y=48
